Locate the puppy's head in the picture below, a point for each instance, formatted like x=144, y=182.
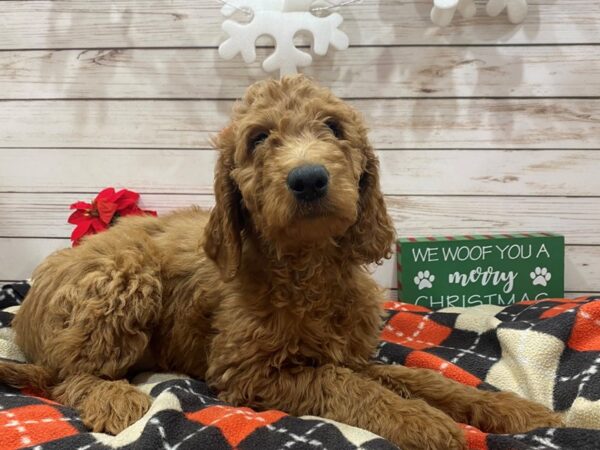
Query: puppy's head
x=296, y=168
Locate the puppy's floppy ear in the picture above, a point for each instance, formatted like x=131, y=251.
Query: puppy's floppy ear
x=372, y=236
x=223, y=233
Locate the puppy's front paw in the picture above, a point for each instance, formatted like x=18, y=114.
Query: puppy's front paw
x=431, y=431
x=507, y=413
x=438, y=436
x=113, y=415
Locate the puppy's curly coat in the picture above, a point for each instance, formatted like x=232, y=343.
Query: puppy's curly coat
x=266, y=297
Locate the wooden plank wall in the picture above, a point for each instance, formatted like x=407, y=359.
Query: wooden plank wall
x=481, y=127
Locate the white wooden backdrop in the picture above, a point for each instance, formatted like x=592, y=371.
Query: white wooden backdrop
x=481, y=127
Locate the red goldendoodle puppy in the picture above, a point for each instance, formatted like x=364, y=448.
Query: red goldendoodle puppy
x=266, y=297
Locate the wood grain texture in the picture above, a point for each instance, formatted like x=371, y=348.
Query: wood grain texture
x=199, y=73
x=45, y=215
x=185, y=23
x=403, y=172
x=395, y=123
x=19, y=257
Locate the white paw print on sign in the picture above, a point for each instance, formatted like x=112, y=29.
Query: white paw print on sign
x=540, y=276
x=424, y=280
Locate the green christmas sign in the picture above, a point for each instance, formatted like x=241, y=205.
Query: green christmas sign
x=462, y=271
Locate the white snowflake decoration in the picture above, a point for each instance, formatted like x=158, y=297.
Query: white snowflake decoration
x=443, y=10
x=280, y=19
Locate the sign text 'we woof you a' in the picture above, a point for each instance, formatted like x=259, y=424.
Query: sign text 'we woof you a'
x=462, y=271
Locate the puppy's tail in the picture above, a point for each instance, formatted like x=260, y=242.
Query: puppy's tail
x=21, y=376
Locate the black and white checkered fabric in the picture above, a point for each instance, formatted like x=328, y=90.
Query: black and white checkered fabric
x=548, y=351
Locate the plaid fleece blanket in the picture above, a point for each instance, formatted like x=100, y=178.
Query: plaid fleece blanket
x=548, y=351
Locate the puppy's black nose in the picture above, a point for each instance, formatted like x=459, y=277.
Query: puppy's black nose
x=308, y=183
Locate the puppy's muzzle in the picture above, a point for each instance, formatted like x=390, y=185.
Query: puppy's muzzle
x=309, y=182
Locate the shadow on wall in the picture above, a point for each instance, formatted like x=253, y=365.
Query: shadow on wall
x=480, y=29
x=122, y=29
x=464, y=67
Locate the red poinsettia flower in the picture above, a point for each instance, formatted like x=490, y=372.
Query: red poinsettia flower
x=105, y=209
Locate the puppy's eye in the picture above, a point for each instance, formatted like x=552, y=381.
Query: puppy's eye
x=256, y=140
x=335, y=128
